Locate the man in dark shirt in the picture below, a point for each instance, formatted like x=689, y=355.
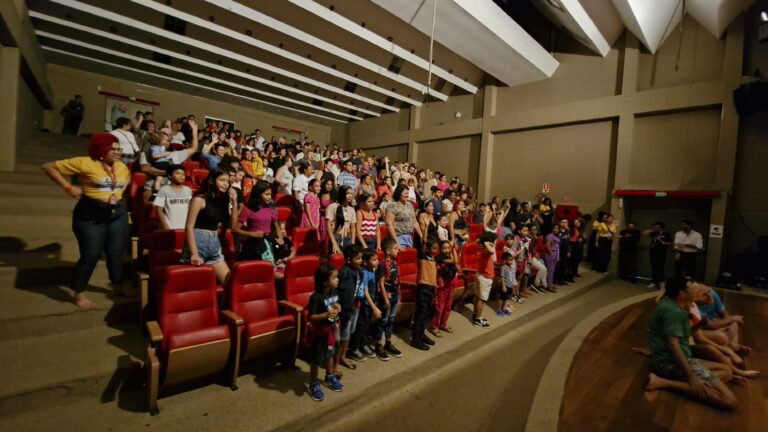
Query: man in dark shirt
x=562, y=275
x=660, y=242
x=628, y=240
x=73, y=114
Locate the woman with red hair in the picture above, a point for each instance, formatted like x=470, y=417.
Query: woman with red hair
x=100, y=221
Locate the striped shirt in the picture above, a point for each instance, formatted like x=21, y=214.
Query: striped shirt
x=369, y=226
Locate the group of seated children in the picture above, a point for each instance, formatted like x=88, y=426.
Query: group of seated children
x=694, y=345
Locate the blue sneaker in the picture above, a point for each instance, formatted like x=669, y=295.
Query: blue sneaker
x=332, y=382
x=501, y=313
x=316, y=391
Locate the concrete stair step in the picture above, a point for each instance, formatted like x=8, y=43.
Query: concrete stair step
x=31, y=190
x=49, y=267
x=22, y=178
x=42, y=310
x=26, y=204
x=48, y=362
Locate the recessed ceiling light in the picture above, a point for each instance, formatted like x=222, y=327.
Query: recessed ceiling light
x=211, y=18
x=248, y=33
x=362, y=23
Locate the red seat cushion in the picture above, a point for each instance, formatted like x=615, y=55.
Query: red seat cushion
x=407, y=294
x=197, y=337
x=256, y=328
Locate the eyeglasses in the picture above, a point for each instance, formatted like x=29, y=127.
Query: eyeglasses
x=116, y=149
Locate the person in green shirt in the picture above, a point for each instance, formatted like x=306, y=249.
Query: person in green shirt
x=672, y=365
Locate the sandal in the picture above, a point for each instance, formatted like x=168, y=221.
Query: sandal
x=349, y=365
x=435, y=332
x=447, y=329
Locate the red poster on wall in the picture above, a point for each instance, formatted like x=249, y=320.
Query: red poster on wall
x=545, y=188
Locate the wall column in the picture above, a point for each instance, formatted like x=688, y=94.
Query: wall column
x=10, y=61
x=484, y=174
x=626, y=130
x=727, y=144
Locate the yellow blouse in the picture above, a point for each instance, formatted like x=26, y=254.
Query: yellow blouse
x=604, y=230
x=258, y=166
x=94, y=180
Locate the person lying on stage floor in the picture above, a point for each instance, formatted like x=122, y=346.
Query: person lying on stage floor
x=672, y=364
x=720, y=327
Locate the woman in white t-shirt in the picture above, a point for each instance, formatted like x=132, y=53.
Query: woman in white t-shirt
x=284, y=177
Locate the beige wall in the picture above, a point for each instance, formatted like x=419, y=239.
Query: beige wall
x=29, y=113
x=577, y=78
x=675, y=151
x=67, y=82
x=439, y=113
x=455, y=157
x=701, y=59
x=396, y=153
x=385, y=124
x=574, y=159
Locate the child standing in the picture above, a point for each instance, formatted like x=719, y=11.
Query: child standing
x=552, y=255
x=442, y=228
x=322, y=330
x=350, y=283
x=172, y=200
x=509, y=287
x=425, y=294
x=364, y=301
x=523, y=246
x=485, y=276
x=446, y=273
x=388, y=282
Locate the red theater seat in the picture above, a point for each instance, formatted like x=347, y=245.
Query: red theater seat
x=337, y=260
x=408, y=266
x=284, y=200
x=198, y=176
x=306, y=241
x=190, y=339
x=474, y=231
x=470, y=261
x=151, y=282
x=266, y=330
x=190, y=166
x=300, y=279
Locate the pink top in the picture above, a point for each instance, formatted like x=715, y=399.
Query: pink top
x=261, y=220
x=313, y=218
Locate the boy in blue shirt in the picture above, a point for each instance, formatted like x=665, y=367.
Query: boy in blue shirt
x=365, y=302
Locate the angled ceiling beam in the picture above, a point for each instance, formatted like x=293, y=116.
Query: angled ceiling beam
x=294, y=32
x=161, y=8
x=117, y=38
x=206, y=77
x=165, y=77
x=597, y=30
x=715, y=15
x=482, y=33
x=355, y=29
x=106, y=14
x=650, y=20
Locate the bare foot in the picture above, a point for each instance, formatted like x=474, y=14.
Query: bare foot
x=659, y=296
x=83, y=302
x=653, y=382
x=642, y=351
x=749, y=374
x=738, y=380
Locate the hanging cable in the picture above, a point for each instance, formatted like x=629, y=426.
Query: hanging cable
x=431, y=51
x=680, y=41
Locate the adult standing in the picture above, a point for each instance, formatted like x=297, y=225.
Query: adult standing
x=347, y=177
x=606, y=232
x=660, y=241
x=341, y=220
x=628, y=240
x=284, y=176
x=688, y=243
x=129, y=148
x=255, y=223
x=99, y=220
x=400, y=218
x=73, y=113
x=458, y=227
x=368, y=232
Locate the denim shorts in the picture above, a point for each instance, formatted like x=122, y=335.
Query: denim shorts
x=676, y=373
x=405, y=240
x=349, y=325
x=208, y=247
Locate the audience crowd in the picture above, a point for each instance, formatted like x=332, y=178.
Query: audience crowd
x=365, y=208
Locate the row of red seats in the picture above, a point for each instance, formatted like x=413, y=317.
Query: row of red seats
x=191, y=339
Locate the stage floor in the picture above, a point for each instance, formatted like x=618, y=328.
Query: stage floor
x=605, y=387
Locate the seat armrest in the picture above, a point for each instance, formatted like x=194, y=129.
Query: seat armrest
x=155, y=334
x=232, y=318
x=408, y=284
x=467, y=270
x=292, y=306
